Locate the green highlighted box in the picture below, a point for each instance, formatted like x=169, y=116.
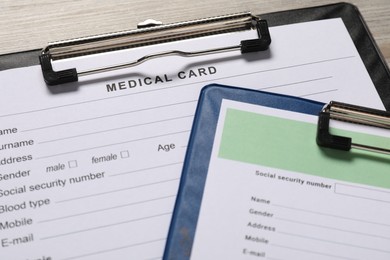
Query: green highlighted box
x=290, y=145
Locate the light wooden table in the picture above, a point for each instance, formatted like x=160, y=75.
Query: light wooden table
x=31, y=24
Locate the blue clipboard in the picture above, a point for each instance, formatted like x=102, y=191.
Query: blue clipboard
x=195, y=168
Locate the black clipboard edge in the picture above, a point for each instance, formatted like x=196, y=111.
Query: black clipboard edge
x=361, y=36
x=19, y=59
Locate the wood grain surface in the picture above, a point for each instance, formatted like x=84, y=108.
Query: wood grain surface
x=31, y=24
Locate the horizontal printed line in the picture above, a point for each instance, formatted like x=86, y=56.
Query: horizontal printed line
x=312, y=252
x=115, y=129
x=288, y=67
x=110, y=115
x=295, y=83
x=331, y=215
x=319, y=93
x=145, y=169
x=362, y=192
x=118, y=190
x=100, y=99
x=332, y=228
x=301, y=82
x=176, y=86
x=335, y=242
x=113, y=249
x=113, y=144
x=105, y=226
x=106, y=209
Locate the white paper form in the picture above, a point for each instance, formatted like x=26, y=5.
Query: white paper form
x=93, y=174
x=274, y=194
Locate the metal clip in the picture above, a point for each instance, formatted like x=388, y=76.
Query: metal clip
x=352, y=114
x=149, y=35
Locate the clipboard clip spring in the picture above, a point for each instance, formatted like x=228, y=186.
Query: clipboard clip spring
x=149, y=36
x=352, y=114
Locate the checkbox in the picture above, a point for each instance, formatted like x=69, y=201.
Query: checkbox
x=125, y=154
x=72, y=164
